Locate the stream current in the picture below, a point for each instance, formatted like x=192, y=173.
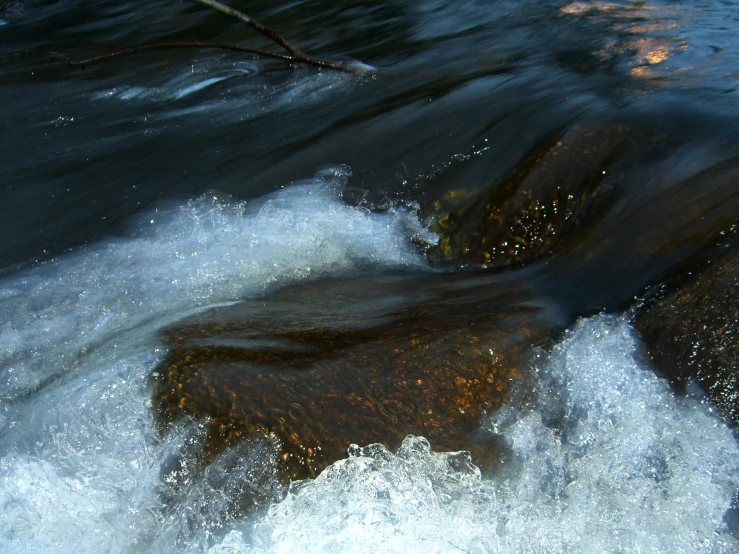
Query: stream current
x=144, y=190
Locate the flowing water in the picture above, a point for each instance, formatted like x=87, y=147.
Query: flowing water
x=144, y=190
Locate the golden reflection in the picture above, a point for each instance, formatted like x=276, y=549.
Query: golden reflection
x=643, y=72
x=652, y=27
x=656, y=27
x=579, y=8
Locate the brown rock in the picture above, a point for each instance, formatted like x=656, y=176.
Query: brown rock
x=558, y=190
x=692, y=333
x=317, y=367
x=321, y=366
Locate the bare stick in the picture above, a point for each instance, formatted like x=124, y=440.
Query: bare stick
x=294, y=55
x=164, y=46
x=266, y=31
x=269, y=33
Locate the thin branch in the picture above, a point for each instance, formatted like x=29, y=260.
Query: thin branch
x=294, y=55
x=164, y=46
x=266, y=31
x=269, y=33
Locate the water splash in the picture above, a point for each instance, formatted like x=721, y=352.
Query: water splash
x=610, y=461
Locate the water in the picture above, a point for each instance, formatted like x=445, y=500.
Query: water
x=632, y=466
x=144, y=190
x=620, y=478
x=81, y=457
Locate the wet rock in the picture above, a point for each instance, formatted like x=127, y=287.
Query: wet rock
x=692, y=332
x=318, y=367
x=558, y=191
x=668, y=219
x=595, y=215
x=598, y=214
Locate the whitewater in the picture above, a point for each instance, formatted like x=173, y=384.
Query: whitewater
x=607, y=459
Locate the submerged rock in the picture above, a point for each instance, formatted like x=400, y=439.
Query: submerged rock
x=692, y=333
x=371, y=360
x=595, y=215
x=598, y=214
x=554, y=195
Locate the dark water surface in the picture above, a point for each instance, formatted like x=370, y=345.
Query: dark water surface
x=571, y=156
x=465, y=90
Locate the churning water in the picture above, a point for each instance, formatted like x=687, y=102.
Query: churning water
x=609, y=459
x=108, y=237
x=622, y=476
x=81, y=458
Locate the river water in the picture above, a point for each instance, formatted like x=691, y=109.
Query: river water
x=141, y=190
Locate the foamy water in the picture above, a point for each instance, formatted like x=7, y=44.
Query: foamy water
x=80, y=458
x=609, y=460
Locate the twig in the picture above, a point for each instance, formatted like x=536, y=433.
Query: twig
x=297, y=54
x=241, y=16
x=163, y=46
x=294, y=54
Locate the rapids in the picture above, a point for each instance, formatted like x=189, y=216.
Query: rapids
x=593, y=144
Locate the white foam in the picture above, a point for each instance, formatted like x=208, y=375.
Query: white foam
x=210, y=250
x=611, y=461
x=82, y=465
x=200, y=75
